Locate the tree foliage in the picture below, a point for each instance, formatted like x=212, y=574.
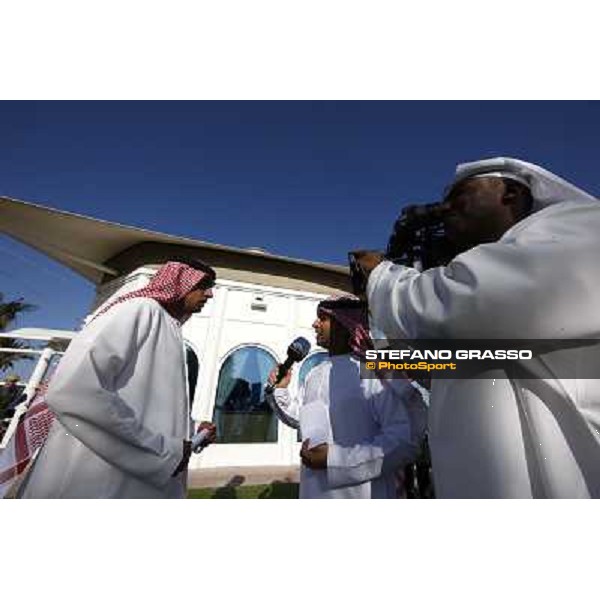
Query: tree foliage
x=9, y=311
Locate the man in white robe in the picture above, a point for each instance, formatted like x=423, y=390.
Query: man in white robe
x=363, y=430
x=530, y=270
x=120, y=398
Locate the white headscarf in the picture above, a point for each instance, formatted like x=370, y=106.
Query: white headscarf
x=546, y=188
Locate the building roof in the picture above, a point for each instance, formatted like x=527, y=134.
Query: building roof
x=38, y=333
x=101, y=250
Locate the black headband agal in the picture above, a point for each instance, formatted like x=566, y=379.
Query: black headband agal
x=198, y=265
x=333, y=304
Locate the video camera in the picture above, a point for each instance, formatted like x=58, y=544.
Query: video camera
x=419, y=237
x=418, y=240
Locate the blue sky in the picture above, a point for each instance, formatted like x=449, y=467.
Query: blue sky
x=302, y=179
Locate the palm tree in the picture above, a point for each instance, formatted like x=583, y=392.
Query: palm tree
x=8, y=313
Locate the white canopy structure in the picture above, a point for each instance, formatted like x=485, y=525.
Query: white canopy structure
x=100, y=250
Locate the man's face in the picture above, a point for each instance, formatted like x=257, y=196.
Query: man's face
x=322, y=327
x=476, y=212
x=195, y=300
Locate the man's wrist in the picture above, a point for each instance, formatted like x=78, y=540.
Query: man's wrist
x=187, y=453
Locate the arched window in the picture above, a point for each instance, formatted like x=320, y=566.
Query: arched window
x=310, y=363
x=242, y=414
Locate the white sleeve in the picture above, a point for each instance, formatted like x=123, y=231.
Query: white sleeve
x=487, y=291
x=396, y=445
x=285, y=406
x=83, y=397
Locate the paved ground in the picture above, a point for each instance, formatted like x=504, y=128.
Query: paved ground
x=236, y=476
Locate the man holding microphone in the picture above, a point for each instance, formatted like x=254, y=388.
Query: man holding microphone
x=357, y=433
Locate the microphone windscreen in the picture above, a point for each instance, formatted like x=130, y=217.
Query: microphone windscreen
x=298, y=349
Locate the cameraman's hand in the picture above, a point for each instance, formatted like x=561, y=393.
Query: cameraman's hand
x=368, y=259
x=284, y=382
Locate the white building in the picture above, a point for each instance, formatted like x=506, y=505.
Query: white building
x=262, y=302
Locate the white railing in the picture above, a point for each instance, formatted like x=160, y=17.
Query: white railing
x=41, y=368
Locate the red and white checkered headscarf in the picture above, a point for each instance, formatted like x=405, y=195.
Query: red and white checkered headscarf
x=350, y=313
x=30, y=434
x=169, y=286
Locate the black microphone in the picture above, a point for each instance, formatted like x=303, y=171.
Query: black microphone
x=296, y=352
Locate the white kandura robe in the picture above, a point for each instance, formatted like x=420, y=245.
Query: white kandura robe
x=374, y=429
x=120, y=398
x=515, y=437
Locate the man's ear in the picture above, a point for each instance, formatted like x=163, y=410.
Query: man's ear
x=509, y=197
x=512, y=195
x=519, y=201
